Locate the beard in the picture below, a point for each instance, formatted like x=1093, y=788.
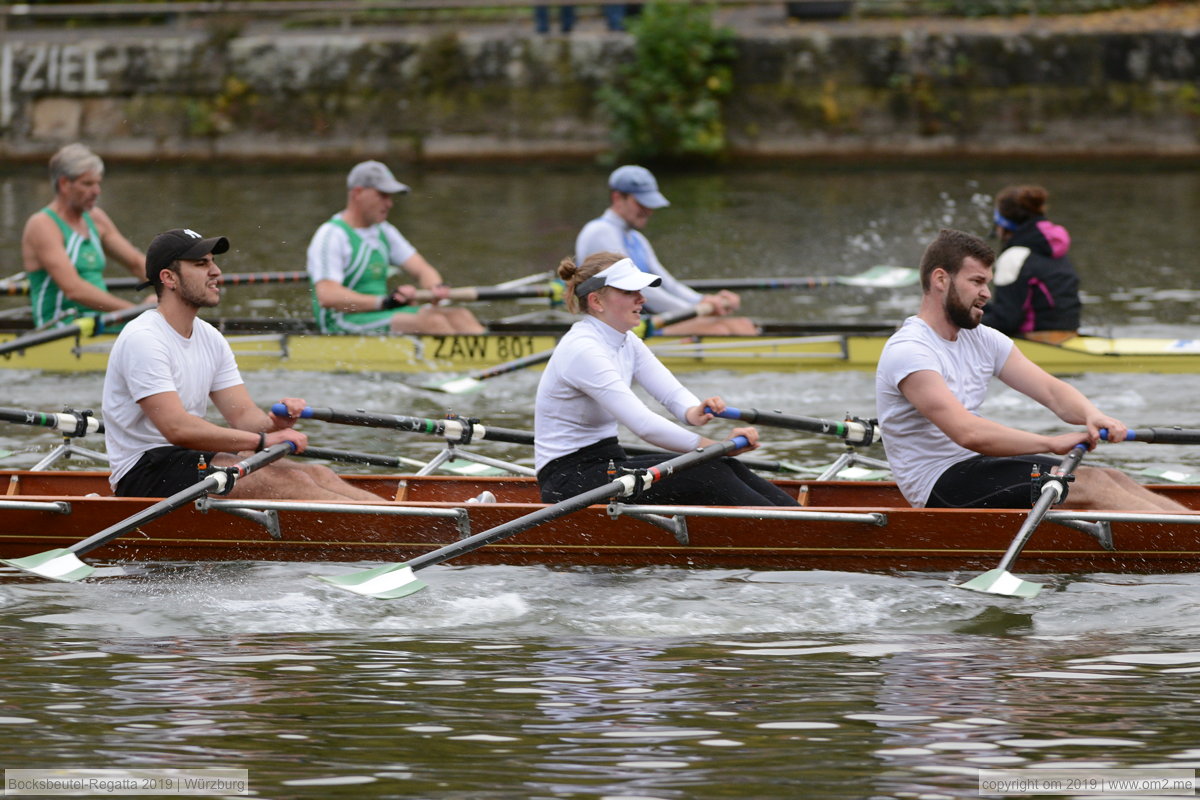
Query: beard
x=960, y=313
x=197, y=297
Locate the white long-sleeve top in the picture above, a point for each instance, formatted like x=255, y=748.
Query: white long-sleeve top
x=586, y=390
x=610, y=233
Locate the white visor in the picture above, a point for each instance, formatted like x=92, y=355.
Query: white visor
x=621, y=275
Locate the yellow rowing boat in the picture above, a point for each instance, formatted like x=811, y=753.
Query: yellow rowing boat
x=778, y=350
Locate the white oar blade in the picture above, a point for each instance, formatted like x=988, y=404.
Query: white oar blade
x=57, y=565
x=388, y=582
x=884, y=277
x=1000, y=581
x=463, y=385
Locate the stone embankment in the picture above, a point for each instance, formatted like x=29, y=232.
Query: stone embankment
x=1104, y=85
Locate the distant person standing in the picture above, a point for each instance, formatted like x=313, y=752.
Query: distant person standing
x=541, y=18
x=348, y=261
x=64, y=245
x=633, y=198
x=1037, y=288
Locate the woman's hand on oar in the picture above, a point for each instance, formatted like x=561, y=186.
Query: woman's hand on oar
x=1052, y=490
x=397, y=580
x=63, y=564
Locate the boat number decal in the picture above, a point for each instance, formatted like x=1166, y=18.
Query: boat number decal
x=504, y=347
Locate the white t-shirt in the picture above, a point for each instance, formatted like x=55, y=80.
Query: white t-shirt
x=150, y=358
x=917, y=450
x=329, y=251
x=610, y=233
x=585, y=391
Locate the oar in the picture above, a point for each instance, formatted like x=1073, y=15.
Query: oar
x=467, y=294
x=397, y=580
x=881, y=277
x=227, y=279
x=1000, y=580
x=12, y=280
x=855, y=431
x=462, y=431
x=90, y=325
x=474, y=380
x=63, y=564
x=1171, y=435
x=70, y=421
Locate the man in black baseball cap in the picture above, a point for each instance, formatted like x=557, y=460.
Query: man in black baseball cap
x=178, y=244
x=164, y=369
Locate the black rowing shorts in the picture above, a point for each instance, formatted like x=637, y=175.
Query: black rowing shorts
x=989, y=482
x=163, y=471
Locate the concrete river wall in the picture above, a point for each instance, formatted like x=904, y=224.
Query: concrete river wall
x=1108, y=85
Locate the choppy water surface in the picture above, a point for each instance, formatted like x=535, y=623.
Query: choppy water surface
x=505, y=682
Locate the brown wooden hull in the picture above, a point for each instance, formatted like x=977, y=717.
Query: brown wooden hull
x=910, y=540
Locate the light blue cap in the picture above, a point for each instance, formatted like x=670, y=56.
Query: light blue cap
x=639, y=182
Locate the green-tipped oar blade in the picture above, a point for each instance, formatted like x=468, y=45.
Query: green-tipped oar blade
x=883, y=277
x=56, y=565
x=389, y=582
x=1001, y=581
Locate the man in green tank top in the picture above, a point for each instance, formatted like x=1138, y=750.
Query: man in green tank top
x=64, y=245
x=348, y=261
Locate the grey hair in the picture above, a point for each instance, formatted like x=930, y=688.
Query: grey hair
x=72, y=161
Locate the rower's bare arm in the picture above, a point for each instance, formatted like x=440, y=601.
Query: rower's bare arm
x=932, y=398
x=182, y=429
x=1067, y=402
x=427, y=277
x=117, y=246
x=42, y=248
x=331, y=294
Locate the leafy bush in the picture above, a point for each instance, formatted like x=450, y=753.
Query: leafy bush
x=665, y=103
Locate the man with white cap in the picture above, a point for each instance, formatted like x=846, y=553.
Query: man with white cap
x=348, y=261
x=165, y=367
x=633, y=198
x=586, y=391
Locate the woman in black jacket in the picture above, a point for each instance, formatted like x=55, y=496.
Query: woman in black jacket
x=1036, y=286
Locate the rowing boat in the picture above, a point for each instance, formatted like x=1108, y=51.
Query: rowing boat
x=843, y=525
x=780, y=348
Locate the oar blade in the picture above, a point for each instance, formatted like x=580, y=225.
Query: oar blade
x=461, y=385
x=57, y=565
x=1001, y=581
x=883, y=277
x=389, y=582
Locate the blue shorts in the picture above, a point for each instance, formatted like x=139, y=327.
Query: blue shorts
x=989, y=482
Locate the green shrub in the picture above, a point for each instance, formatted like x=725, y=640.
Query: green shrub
x=666, y=103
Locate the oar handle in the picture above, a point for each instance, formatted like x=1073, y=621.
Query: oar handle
x=463, y=431
x=854, y=431
x=1172, y=435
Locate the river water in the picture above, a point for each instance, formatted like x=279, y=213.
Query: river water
x=507, y=682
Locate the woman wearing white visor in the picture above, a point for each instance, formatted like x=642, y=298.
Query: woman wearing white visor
x=586, y=390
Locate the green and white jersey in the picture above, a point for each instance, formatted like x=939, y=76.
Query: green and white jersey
x=86, y=253
x=359, y=259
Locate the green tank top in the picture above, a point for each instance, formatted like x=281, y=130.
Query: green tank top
x=367, y=273
x=86, y=253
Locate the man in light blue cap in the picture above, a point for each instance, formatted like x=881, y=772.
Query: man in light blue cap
x=633, y=197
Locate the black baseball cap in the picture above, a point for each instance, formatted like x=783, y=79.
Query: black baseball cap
x=176, y=244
